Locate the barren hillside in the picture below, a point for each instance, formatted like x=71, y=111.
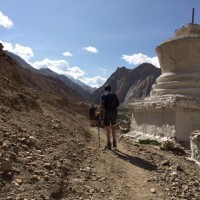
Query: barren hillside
x=13, y=71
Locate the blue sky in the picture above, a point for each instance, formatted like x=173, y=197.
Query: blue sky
x=89, y=39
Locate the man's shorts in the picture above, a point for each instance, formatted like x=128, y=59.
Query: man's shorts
x=110, y=117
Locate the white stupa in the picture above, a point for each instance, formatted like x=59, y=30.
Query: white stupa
x=173, y=108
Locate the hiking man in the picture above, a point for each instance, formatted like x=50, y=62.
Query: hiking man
x=109, y=103
x=92, y=115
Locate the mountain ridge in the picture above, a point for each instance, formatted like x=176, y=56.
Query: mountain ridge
x=130, y=84
x=78, y=86
x=29, y=77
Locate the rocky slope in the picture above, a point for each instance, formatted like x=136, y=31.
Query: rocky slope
x=41, y=142
x=130, y=84
x=83, y=90
x=29, y=77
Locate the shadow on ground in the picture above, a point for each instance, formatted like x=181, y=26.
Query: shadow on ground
x=135, y=160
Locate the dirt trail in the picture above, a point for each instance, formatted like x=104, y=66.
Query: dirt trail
x=122, y=175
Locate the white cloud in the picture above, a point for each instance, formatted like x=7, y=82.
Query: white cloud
x=61, y=67
x=103, y=70
x=54, y=65
x=67, y=54
x=24, y=52
x=140, y=58
x=75, y=72
x=96, y=81
x=5, y=21
x=91, y=49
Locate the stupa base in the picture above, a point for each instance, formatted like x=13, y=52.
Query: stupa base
x=167, y=116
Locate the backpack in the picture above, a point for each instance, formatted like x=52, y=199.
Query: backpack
x=111, y=101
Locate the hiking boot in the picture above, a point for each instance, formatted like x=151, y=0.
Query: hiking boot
x=114, y=144
x=108, y=146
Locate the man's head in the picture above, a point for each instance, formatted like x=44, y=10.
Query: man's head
x=107, y=88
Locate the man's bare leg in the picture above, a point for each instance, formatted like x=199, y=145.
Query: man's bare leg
x=108, y=137
x=112, y=127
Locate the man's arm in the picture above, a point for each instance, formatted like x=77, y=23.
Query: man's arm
x=102, y=99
